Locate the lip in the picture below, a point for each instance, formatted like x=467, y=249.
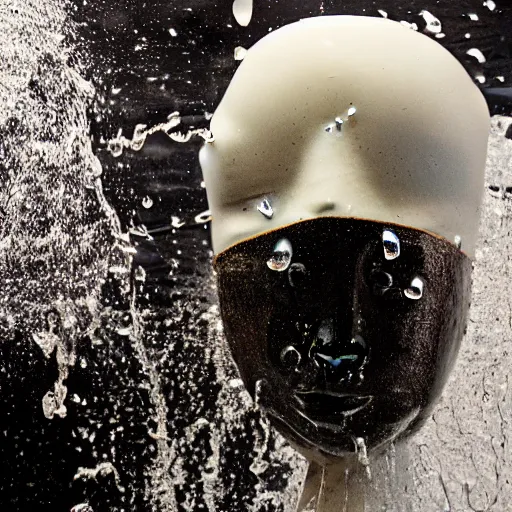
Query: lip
x=328, y=405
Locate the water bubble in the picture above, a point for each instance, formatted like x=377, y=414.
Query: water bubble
x=458, y=241
x=290, y=357
x=281, y=256
x=265, y=208
x=147, y=202
x=391, y=244
x=362, y=455
x=415, y=290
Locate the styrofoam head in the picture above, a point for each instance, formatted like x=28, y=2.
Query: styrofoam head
x=347, y=116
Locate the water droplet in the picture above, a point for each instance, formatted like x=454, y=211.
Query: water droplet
x=290, y=357
x=412, y=26
x=240, y=53
x=458, y=241
x=475, y=52
x=339, y=121
x=147, y=202
x=391, y=244
x=242, y=11
x=490, y=4
x=473, y=17
x=139, y=137
x=281, y=256
x=115, y=146
x=203, y=217
x=173, y=32
x=415, y=290
x=265, y=208
x=261, y=388
x=433, y=24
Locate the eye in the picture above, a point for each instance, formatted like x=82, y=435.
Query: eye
x=380, y=281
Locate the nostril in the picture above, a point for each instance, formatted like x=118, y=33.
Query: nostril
x=340, y=360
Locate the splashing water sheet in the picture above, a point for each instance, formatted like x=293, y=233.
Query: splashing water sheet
x=118, y=390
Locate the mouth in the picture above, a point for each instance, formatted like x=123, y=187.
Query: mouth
x=326, y=405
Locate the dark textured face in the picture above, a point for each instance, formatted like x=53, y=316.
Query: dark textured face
x=344, y=328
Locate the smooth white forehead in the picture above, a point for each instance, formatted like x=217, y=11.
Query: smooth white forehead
x=413, y=154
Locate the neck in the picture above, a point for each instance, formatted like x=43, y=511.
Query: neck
x=349, y=486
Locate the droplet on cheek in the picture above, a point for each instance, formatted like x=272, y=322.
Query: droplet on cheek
x=391, y=244
x=281, y=256
x=415, y=290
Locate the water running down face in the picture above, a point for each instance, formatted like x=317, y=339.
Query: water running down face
x=346, y=173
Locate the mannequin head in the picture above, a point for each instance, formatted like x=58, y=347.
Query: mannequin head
x=344, y=180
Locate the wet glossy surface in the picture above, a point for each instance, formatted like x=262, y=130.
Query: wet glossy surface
x=342, y=350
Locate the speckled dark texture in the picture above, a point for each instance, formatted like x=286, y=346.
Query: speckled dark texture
x=397, y=370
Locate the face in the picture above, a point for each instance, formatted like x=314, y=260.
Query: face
x=344, y=328
x=342, y=184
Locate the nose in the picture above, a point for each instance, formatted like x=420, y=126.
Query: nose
x=315, y=340
x=320, y=355
x=337, y=354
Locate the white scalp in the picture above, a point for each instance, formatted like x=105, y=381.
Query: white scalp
x=413, y=153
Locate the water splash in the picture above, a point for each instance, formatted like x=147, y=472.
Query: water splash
x=142, y=132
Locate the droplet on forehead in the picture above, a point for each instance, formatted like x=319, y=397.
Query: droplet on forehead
x=415, y=289
x=391, y=244
x=265, y=208
x=281, y=256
